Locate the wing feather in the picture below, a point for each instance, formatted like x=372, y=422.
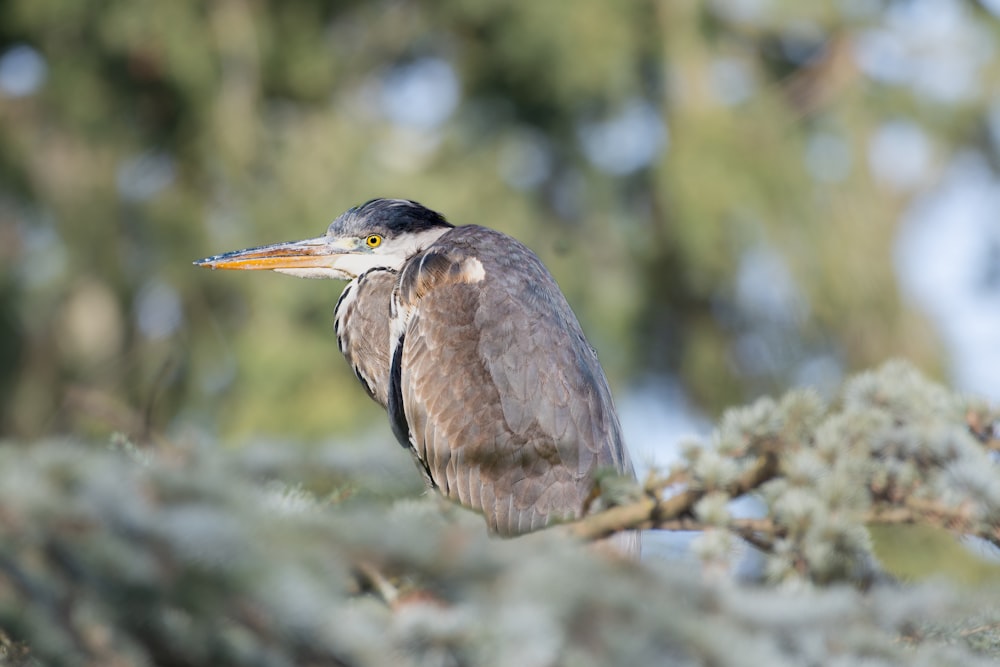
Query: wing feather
x=506, y=403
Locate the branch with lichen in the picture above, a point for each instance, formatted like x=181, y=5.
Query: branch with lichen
x=891, y=448
x=674, y=512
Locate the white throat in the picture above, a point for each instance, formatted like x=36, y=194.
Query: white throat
x=397, y=251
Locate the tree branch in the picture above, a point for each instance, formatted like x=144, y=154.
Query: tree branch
x=653, y=512
x=676, y=513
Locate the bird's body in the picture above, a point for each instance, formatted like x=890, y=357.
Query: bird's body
x=465, y=338
x=520, y=420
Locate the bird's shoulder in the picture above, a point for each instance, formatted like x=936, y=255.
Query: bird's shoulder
x=459, y=256
x=498, y=267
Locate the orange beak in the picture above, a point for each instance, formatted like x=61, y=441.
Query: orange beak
x=316, y=253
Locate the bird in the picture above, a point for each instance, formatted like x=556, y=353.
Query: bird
x=464, y=337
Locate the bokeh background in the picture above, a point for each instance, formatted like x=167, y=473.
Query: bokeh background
x=737, y=196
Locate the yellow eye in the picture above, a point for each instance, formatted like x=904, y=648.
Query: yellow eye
x=373, y=240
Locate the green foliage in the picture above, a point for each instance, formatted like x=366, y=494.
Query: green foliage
x=167, y=130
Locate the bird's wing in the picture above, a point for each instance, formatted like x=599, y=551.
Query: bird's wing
x=496, y=389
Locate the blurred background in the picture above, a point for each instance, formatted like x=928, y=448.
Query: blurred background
x=737, y=196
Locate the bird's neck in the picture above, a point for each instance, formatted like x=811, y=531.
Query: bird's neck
x=391, y=259
x=412, y=244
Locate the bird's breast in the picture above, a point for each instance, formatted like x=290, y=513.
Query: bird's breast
x=361, y=321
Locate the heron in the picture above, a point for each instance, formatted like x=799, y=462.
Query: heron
x=464, y=337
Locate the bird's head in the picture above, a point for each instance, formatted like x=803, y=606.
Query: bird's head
x=381, y=233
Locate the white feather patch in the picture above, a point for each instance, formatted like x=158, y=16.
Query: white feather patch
x=473, y=271
x=410, y=244
x=399, y=319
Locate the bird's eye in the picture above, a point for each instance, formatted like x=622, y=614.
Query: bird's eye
x=373, y=240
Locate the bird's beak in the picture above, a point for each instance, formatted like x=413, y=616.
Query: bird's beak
x=318, y=255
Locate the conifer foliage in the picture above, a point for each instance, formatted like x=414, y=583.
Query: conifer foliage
x=193, y=555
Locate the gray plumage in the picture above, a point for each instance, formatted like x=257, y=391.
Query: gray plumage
x=361, y=320
x=464, y=337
